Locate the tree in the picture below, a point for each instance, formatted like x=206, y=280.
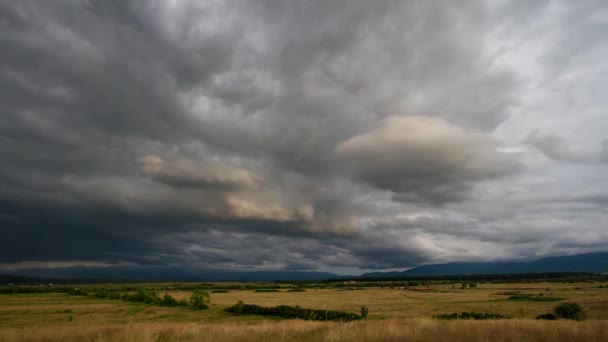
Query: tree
x=199, y=300
x=570, y=310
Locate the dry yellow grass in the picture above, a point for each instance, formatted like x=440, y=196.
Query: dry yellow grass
x=386, y=330
x=394, y=315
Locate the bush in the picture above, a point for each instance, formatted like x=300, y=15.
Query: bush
x=286, y=311
x=114, y=295
x=547, y=316
x=469, y=315
x=219, y=291
x=152, y=298
x=167, y=300
x=570, y=310
x=102, y=294
x=364, y=312
x=199, y=300
x=532, y=298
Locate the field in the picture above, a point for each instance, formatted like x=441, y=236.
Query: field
x=394, y=313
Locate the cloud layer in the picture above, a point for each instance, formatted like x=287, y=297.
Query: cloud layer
x=300, y=134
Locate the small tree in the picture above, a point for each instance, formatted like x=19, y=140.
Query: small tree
x=570, y=310
x=199, y=300
x=364, y=312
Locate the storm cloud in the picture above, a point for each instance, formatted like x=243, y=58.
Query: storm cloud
x=300, y=135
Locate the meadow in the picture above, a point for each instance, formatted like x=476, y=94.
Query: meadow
x=395, y=313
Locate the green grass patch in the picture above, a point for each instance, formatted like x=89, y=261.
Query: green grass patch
x=175, y=317
x=134, y=310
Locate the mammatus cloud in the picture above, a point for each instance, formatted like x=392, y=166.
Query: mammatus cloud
x=271, y=134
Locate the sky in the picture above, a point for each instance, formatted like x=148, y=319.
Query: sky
x=341, y=136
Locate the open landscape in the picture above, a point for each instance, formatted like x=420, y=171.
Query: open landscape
x=303, y=170
x=396, y=311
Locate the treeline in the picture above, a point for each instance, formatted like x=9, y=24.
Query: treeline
x=291, y=312
x=83, y=290
x=560, y=277
x=42, y=289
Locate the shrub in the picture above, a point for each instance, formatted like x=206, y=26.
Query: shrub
x=547, y=316
x=167, y=300
x=102, y=294
x=266, y=290
x=152, y=298
x=286, y=311
x=570, y=310
x=114, y=295
x=364, y=312
x=296, y=290
x=532, y=298
x=469, y=315
x=138, y=296
x=199, y=300
x=219, y=291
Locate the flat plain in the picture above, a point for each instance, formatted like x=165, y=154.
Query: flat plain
x=394, y=314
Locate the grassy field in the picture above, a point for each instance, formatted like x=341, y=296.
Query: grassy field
x=394, y=314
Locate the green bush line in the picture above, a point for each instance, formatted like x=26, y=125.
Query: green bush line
x=266, y=290
x=469, y=315
x=291, y=312
x=151, y=298
x=198, y=300
x=532, y=298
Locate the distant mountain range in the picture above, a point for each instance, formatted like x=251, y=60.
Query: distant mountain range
x=592, y=262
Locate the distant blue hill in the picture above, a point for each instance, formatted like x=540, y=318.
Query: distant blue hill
x=591, y=262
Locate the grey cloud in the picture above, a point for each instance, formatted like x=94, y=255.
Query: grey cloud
x=424, y=158
x=190, y=174
x=256, y=134
x=558, y=149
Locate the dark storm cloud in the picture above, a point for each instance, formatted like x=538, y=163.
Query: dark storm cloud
x=245, y=134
